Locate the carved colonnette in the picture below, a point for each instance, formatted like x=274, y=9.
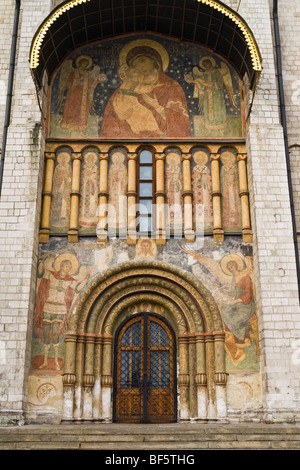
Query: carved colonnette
x=88, y=375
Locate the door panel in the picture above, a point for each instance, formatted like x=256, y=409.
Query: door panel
x=145, y=375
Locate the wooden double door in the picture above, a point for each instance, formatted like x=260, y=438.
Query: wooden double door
x=145, y=371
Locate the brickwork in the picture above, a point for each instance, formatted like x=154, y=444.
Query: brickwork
x=19, y=212
x=275, y=269
x=277, y=288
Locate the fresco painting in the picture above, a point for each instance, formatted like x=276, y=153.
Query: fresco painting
x=231, y=206
x=202, y=190
x=117, y=190
x=214, y=90
x=230, y=279
x=145, y=88
x=61, y=192
x=228, y=275
x=89, y=189
x=174, y=191
x=60, y=279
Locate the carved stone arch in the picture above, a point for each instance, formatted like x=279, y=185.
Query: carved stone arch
x=136, y=271
x=104, y=304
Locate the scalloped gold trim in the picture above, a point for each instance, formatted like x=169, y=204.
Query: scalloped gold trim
x=256, y=62
x=36, y=47
x=38, y=41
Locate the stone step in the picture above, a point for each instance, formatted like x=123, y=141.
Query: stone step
x=179, y=437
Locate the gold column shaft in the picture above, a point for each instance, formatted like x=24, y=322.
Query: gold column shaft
x=75, y=195
x=47, y=197
x=131, y=200
x=160, y=199
x=216, y=198
x=184, y=377
x=189, y=234
x=244, y=195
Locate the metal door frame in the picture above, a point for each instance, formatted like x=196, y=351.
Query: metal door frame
x=144, y=317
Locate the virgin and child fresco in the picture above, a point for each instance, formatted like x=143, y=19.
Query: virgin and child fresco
x=148, y=88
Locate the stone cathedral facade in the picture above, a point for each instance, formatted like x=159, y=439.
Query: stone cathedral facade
x=149, y=211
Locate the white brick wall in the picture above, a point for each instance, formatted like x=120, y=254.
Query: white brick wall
x=19, y=210
x=276, y=280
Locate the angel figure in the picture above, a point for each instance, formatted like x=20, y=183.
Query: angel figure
x=209, y=81
x=231, y=284
x=59, y=282
x=75, y=93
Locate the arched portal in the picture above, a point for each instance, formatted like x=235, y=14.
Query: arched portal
x=182, y=302
x=145, y=370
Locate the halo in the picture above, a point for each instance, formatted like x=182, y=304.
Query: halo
x=200, y=157
x=118, y=157
x=86, y=57
x=90, y=156
x=145, y=42
x=207, y=57
x=66, y=257
x=173, y=157
x=233, y=257
x=228, y=156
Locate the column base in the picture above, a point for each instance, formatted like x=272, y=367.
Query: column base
x=73, y=236
x=44, y=235
x=131, y=239
x=247, y=236
x=218, y=235
x=189, y=236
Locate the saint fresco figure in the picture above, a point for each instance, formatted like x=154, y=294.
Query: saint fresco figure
x=231, y=218
x=57, y=287
x=234, y=290
x=75, y=93
x=202, y=190
x=89, y=191
x=148, y=103
x=117, y=188
x=174, y=190
x=210, y=82
x=62, y=183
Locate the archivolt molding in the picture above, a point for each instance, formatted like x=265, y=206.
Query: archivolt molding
x=145, y=276
x=184, y=319
x=167, y=309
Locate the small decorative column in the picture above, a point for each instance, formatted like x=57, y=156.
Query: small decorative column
x=79, y=375
x=220, y=375
x=88, y=377
x=75, y=196
x=69, y=377
x=106, y=379
x=47, y=196
x=201, y=378
x=189, y=234
x=184, y=378
x=216, y=198
x=210, y=353
x=97, y=403
x=131, y=200
x=244, y=195
x=103, y=199
x=160, y=198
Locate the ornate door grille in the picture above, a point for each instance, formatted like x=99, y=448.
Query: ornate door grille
x=145, y=371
